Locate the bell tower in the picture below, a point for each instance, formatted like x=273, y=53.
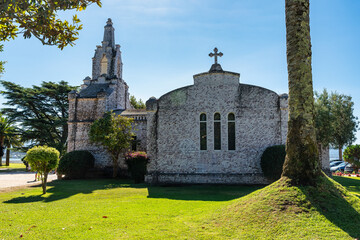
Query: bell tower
x=105, y=91
x=107, y=59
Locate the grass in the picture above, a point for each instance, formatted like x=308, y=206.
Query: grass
x=13, y=167
x=280, y=211
x=113, y=209
x=77, y=210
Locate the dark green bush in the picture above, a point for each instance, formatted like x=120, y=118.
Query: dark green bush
x=25, y=163
x=136, y=163
x=272, y=161
x=352, y=155
x=74, y=165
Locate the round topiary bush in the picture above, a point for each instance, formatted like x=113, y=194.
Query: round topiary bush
x=272, y=161
x=42, y=159
x=74, y=165
x=136, y=163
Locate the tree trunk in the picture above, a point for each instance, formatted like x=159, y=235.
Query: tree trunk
x=2, y=149
x=302, y=158
x=44, y=181
x=115, y=167
x=7, y=157
x=340, y=153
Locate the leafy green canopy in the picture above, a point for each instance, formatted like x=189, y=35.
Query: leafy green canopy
x=39, y=18
x=114, y=133
x=42, y=159
x=1, y=62
x=137, y=104
x=352, y=155
x=12, y=140
x=323, y=117
x=334, y=119
x=40, y=111
x=9, y=136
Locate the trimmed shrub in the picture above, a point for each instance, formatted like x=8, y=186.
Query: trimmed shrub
x=272, y=161
x=74, y=165
x=136, y=163
x=42, y=159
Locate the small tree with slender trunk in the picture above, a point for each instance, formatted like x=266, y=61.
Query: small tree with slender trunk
x=6, y=129
x=12, y=139
x=335, y=121
x=302, y=159
x=345, y=123
x=114, y=133
x=42, y=159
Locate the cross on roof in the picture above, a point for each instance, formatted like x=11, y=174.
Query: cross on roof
x=216, y=54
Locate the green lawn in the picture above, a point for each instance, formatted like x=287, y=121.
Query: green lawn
x=14, y=167
x=114, y=209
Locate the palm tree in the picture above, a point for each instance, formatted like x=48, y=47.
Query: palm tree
x=12, y=139
x=302, y=161
x=5, y=126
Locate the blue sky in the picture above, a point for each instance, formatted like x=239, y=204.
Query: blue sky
x=165, y=42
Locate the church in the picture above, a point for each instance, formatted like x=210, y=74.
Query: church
x=213, y=131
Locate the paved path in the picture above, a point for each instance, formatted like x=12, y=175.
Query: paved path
x=16, y=179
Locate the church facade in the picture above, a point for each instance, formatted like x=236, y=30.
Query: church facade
x=213, y=131
x=105, y=91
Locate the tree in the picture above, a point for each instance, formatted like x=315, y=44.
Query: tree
x=40, y=111
x=344, y=123
x=42, y=159
x=137, y=104
x=323, y=118
x=334, y=120
x=12, y=139
x=352, y=155
x=114, y=133
x=5, y=129
x=302, y=161
x=1, y=62
x=39, y=18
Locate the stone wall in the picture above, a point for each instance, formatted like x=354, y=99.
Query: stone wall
x=82, y=113
x=324, y=156
x=139, y=127
x=174, y=135
x=84, y=110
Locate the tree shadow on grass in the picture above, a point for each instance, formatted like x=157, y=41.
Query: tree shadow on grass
x=330, y=202
x=201, y=192
x=13, y=171
x=351, y=184
x=62, y=189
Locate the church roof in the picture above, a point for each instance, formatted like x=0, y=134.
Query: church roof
x=131, y=112
x=93, y=89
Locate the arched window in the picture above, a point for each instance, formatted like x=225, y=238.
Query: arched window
x=231, y=131
x=103, y=65
x=134, y=143
x=217, y=131
x=203, y=134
